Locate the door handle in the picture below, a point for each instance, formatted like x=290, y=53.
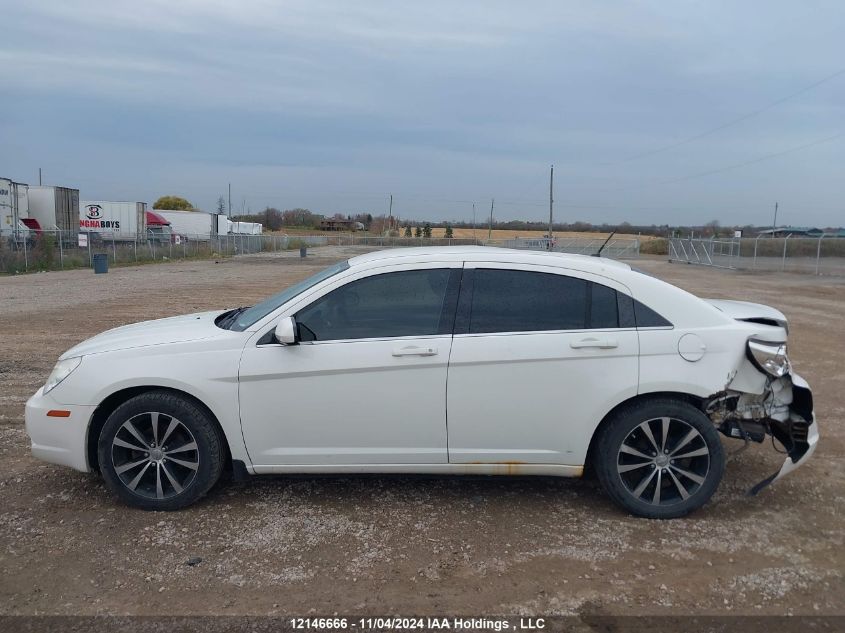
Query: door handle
x=599, y=343
x=414, y=351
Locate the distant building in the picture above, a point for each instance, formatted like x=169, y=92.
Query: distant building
x=333, y=224
x=792, y=231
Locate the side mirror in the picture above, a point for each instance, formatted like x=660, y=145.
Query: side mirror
x=285, y=332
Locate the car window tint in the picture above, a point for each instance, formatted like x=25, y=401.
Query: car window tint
x=625, y=303
x=522, y=301
x=603, y=310
x=406, y=303
x=646, y=317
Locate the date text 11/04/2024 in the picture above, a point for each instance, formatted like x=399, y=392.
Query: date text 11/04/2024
x=418, y=623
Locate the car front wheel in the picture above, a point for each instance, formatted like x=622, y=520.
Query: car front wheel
x=659, y=459
x=159, y=451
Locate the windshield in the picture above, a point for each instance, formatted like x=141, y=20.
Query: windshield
x=261, y=310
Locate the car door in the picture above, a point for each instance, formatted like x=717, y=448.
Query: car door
x=537, y=360
x=367, y=382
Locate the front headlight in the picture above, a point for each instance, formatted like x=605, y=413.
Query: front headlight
x=768, y=357
x=62, y=370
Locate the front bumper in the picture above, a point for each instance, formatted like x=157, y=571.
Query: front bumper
x=58, y=440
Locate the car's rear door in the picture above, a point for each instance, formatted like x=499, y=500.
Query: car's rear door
x=367, y=383
x=538, y=358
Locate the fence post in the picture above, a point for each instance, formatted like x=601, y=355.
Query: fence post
x=61, y=250
x=783, y=261
x=25, y=258
x=819, y=252
x=113, y=249
x=754, y=263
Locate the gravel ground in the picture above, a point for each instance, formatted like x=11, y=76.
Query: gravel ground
x=376, y=545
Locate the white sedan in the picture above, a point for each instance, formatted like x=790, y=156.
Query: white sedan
x=448, y=361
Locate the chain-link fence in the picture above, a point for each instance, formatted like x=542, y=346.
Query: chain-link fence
x=60, y=250
x=824, y=255
x=616, y=248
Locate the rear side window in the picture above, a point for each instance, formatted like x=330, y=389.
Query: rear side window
x=604, y=313
x=646, y=317
x=632, y=313
x=523, y=301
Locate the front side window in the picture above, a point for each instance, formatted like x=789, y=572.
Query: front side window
x=406, y=303
x=249, y=316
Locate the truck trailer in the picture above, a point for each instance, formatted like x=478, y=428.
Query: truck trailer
x=14, y=212
x=55, y=209
x=193, y=225
x=114, y=221
x=246, y=228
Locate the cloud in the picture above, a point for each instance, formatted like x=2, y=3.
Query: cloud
x=333, y=104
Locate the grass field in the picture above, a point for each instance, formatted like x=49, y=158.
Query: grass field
x=479, y=233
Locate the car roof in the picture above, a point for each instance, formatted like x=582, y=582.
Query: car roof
x=585, y=263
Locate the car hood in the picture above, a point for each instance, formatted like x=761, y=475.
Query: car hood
x=747, y=311
x=179, y=329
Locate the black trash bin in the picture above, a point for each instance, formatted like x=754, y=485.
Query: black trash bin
x=101, y=263
x=303, y=250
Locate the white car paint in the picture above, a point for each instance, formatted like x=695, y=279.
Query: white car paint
x=507, y=402
x=525, y=403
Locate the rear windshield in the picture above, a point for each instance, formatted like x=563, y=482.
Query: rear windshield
x=261, y=310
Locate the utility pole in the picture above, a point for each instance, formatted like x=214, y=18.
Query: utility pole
x=490, y=226
x=230, y=200
x=775, y=221
x=390, y=215
x=473, y=220
x=551, y=203
x=39, y=176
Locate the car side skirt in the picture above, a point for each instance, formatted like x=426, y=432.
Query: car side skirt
x=497, y=468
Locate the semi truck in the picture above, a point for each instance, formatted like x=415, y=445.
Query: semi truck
x=158, y=229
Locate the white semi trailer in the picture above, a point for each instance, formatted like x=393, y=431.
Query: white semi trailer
x=193, y=225
x=246, y=228
x=14, y=211
x=55, y=209
x=118, y=221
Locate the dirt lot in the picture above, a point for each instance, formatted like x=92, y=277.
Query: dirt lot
x=397, y=544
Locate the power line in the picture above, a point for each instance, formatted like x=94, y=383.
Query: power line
x=752, y=161
x=719, y=170
x=728, y=124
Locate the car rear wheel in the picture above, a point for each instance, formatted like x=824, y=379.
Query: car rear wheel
x=159, y=451
x=659, y=459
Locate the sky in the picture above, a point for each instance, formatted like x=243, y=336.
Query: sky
x=659, y=112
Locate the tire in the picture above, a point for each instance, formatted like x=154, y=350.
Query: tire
x=160, y=451
x=635, y=457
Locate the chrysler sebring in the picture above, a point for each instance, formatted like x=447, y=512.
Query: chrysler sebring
x=448, y=361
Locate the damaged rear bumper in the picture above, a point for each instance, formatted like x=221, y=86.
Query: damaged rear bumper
x=799, y=433
x=795, y=458
x=784, y=410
